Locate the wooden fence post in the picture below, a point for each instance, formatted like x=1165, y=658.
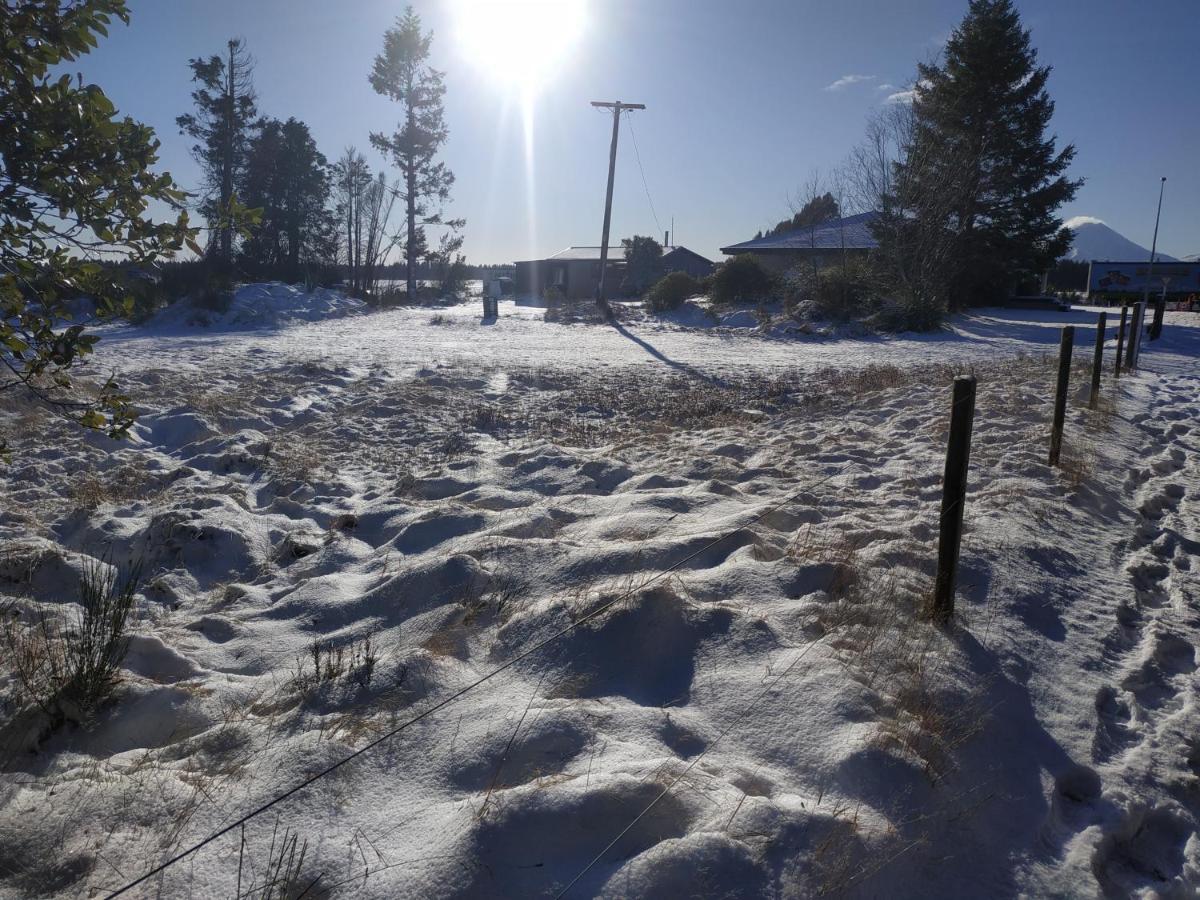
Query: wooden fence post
x=1098, y=359
x=954, y=496
x=1135, y=320
x=1066, y=343
x=1141, y=335
x=1120, y=341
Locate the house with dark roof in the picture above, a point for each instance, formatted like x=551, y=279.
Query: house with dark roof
x=575, y=271
x=815, y=245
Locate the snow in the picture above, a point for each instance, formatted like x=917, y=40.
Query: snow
x=1095, y=240
x=770, y=717
x=263, y=305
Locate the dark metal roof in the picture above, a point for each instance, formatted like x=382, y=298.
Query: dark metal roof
x=852, y=232
x=669, y=252
x=616, y=253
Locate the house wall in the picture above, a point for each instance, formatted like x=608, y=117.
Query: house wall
x=693, y=265
x=578, y=279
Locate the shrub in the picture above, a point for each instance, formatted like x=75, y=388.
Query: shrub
x=553, y=296
x=741, y=279
x=70, y=672
x=840, y=292
x=670, y=291
x=909, y=313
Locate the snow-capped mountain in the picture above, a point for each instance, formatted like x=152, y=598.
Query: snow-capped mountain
x=1095, y=240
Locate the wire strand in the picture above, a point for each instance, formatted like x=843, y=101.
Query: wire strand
x=746, y=710
x=758, y=517
x=638, y=157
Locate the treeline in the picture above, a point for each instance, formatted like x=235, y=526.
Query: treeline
x=277, y=208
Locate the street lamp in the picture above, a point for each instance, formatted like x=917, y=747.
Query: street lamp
x=1160, y=307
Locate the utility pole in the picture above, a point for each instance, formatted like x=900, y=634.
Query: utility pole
x=1160, y=308
x=601, y=300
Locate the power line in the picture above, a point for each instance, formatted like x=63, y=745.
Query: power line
x=758, y=517
x=638, y=156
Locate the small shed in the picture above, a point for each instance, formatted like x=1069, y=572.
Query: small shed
x=681, y=259
x=576, y=271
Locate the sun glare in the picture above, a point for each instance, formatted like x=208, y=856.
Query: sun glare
x=519, y=42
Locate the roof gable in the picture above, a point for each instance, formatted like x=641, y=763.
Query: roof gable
x=676, y=252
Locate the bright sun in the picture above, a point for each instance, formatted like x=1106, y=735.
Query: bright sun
x=520, y=42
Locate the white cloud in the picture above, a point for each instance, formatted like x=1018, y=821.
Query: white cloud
x=847, y=80
x=886, y=86
x=901, y=97
x=1076, y=221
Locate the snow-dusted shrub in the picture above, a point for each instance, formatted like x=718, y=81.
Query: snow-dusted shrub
x=553, y=297
x=838, y=292
x=909, y=313
x=742, y=279
x=355, y=661
x=68, y=672
x=670, y=291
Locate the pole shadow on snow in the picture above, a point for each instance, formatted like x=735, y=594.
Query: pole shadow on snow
x=690, y=371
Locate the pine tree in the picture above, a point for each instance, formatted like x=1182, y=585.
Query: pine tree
x=402, y=72
x=819, y=208
x=287, y=176
x=225, y=118
x=980, y=167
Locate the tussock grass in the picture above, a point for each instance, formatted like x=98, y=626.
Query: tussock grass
x=68, y=671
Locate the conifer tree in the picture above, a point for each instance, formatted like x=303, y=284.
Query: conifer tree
x=287, y=177
x=225, y=117
x=980, y=167
x=402, y=73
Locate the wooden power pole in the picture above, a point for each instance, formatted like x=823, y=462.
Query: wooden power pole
x=601, y=300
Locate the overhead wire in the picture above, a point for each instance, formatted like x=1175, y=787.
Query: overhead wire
x=645, y=185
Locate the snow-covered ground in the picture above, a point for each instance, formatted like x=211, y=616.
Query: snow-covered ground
x=725, y=539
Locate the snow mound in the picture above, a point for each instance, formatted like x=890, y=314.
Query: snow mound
x=264, y=305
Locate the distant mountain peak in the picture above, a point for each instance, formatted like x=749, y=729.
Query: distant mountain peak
x=1095, y=240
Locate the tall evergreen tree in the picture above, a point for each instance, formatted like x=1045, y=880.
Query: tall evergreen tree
x=287, y=176
x=402, y=72
x=980, y=166
x=819, y=208
x=225, y=118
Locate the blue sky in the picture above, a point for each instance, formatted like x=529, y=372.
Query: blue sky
x=739, y=106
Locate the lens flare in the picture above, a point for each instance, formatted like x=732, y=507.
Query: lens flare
x=519, y=42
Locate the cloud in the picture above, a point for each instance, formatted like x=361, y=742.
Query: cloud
x=1076, y=221
x=901, y=97
x=847, y=80
x=886, y=86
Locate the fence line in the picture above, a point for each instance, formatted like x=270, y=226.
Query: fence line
x=948, y=509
